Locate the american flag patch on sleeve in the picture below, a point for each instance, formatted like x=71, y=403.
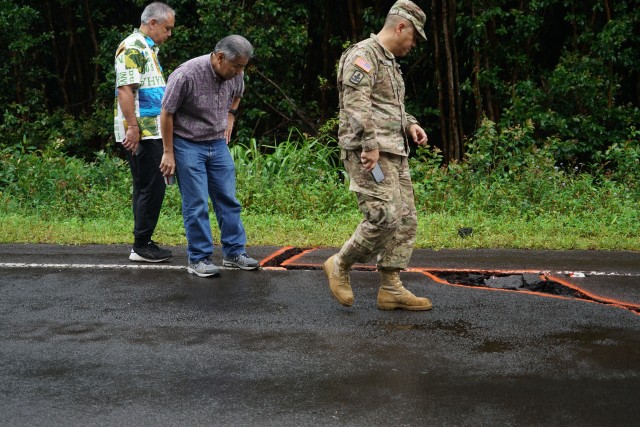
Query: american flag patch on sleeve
x=363, y=64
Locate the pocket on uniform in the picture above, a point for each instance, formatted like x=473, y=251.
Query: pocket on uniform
x=362, y=181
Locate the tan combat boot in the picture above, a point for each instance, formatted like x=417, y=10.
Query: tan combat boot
x=393, y=295
x=338, y=274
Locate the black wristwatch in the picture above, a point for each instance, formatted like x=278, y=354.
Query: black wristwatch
x=233, y=111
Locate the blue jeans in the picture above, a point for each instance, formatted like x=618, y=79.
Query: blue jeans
x=206, y=169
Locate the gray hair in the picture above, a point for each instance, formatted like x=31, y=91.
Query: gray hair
x=234, y=47
x=158, y=11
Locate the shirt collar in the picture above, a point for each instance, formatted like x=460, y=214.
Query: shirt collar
x=213, y=71
x=148, y=39
x=388, y=54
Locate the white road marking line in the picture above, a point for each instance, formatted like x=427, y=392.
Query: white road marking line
x=592, y=273
x=177, y=267
x=94, y=266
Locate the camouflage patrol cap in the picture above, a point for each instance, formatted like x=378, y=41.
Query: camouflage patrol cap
x=409, y=10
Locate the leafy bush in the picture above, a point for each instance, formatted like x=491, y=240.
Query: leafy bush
x=508, y=174
x=509, y=183
x=294, y=178
x=53, y=185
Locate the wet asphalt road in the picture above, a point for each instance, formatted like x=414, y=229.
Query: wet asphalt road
x=86, y=338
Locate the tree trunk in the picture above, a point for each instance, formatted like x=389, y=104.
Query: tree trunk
x=94, y=43
x=475, y=73
x=452, y=149
x=456, y=80
x=438, y=75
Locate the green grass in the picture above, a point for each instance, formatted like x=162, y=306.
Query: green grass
x=293, y=194
x=434, y=232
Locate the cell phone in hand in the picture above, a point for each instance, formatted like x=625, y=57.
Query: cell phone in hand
x=377, y=173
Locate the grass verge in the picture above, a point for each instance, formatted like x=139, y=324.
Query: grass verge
x=434, y=232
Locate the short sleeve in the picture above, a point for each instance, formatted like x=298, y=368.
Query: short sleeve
x=129, y=64
x=178, y=86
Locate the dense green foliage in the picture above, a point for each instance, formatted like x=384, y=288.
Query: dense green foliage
x=532, y=110
x=511, y=197
x=570, y=67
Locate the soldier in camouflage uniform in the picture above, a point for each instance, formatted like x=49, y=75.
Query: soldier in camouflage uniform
x=374, y=130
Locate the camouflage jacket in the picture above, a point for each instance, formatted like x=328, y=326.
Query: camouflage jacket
x=371, y=91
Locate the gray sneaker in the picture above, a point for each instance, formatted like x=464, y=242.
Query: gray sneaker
x=203, y=268
x=242, y=261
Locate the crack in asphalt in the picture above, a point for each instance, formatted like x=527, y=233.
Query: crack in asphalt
x=540, y=283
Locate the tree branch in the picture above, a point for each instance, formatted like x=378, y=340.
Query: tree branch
x=299, y=112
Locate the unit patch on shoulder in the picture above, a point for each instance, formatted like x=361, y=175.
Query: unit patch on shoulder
x=356, y=78
x=363, y=64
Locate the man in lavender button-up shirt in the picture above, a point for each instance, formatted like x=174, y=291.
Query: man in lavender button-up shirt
x=198, y=112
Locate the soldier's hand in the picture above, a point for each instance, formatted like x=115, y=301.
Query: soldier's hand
x=418, y=134
x=369, y=159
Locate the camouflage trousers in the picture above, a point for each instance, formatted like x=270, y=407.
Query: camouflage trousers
x=387, y=232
